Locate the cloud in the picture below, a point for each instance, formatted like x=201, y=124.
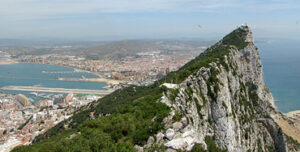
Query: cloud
x=269, y=5
x=124, y=17
x=45, y=8
x=36, y=9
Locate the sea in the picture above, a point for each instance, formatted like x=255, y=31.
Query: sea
x=28, y=74
x=281, y=65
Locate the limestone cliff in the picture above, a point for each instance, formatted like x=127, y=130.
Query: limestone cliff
x=225, y=101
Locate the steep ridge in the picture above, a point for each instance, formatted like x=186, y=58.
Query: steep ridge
x=216, y=102
x=226, y=100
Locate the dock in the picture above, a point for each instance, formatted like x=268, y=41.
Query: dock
x=56, y=90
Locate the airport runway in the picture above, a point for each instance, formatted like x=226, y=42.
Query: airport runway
x=56, y=90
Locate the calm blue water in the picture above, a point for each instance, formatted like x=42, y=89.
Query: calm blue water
x=27, y=74
x=281, y=63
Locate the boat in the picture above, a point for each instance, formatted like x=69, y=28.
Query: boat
x=34, y=93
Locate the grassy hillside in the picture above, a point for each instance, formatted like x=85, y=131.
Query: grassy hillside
x=140, y=116
x=216, y=52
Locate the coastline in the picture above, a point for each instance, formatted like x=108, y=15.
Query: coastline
x=108, y=81
x=289, y=126
x=7, y=62
x=99, y=79
x=290, y=123
x=104, y=80
x=293, y=114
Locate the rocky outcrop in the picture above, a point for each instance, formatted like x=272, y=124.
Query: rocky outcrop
x=226, y=101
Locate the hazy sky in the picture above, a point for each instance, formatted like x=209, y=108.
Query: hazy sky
x=133, y=19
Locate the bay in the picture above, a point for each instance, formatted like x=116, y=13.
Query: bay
x=28, y=74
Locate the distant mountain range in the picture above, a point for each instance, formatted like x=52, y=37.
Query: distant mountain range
x=100, y=50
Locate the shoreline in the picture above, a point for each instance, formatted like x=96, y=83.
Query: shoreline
x=99, y=79
x=290, y=126
x=107, y=81
x=293, y=114
x=104, y=80
x=7, y=62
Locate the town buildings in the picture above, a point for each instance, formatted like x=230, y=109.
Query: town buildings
x=20, y=123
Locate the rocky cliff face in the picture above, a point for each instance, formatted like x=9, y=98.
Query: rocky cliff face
x=226, y=102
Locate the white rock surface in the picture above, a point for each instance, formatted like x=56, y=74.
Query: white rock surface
x=231, y=113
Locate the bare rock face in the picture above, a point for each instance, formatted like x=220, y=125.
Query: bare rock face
x=227, y=101
x=138, y=148
x=177, y=126
x=170, y=133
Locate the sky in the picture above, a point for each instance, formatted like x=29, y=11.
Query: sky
x=147, y=19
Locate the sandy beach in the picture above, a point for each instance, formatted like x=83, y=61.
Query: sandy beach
x=7, y=62
x=288, y=128
x=293, y=114
x=108, y=81
x=290, y=123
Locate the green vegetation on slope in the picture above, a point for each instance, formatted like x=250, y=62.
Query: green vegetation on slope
x=236, y=38
x=131, y=125
x=211, y=146
x=110, y=104
x=213, y=54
